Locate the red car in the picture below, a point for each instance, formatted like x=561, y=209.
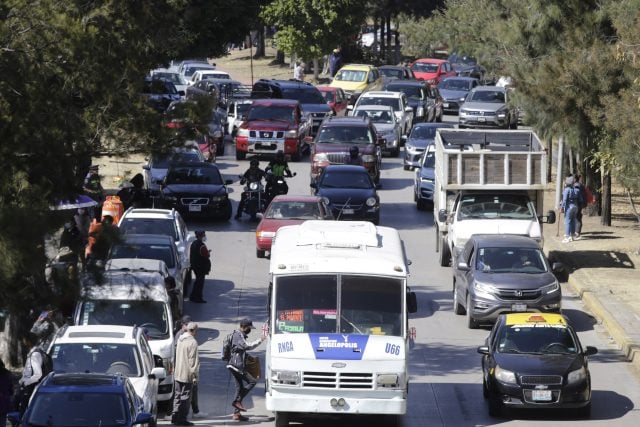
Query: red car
x=432, y=70
x=288, y=210
x=336, y=99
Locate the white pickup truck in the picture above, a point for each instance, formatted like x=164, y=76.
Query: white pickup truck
x=489, y=182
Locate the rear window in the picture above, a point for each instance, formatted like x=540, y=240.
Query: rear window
x=78, y=409
x=152, y=316
x=97, y=357
x=147, y=251
x=166, y=227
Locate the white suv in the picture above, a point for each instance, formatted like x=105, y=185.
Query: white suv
x=396, y=100
x=113, y=350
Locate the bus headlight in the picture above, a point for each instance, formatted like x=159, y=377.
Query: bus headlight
x=285, y=377
x=388, y=380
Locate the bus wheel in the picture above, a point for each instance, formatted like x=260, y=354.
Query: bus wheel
x=282, y=419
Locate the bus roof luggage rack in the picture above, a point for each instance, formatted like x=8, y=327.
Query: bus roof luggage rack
x=338, y=234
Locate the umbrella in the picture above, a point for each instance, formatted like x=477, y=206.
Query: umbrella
x=81, y=201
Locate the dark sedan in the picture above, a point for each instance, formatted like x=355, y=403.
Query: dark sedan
x=503, y=273
x=535, y=361
x=422, y=135
x=196, y=189
x=454, y=91
x=160, y=93
x=349, y=192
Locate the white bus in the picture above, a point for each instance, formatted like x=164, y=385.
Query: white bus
x=338, y=313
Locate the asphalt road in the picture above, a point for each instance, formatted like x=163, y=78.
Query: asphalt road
x=445, y=369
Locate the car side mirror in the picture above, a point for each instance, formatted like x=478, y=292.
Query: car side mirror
x=157, y=361
x=483, y=349
x=462, y=266
x=158, y=373
x=557, y=267
x=259, y=215
x=412, y=302
x=442, y=215
x=551, y=217
x=313, y=185
x=14, y=418
x=590, y=351
x=170, y=282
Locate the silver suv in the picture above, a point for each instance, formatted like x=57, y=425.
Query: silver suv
x=488, y=106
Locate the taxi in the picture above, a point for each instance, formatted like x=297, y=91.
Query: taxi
x=535, y=360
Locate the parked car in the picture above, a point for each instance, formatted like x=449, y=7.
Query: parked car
x=337, y=135
x=188, y=68
x=202, y=88
x=159, y=93
x=336, y=99
x=170, y=75
x=197, y=190
x=396, y=100
x=158, y=164
x=200, y=75
x=432, y=70
x=237, y=110
x=503, y=273
x=287, y=210
x=424, y=179
x=535, y=361
x=84, y=399
x=401, y=72
x=356, y=79
x=454, y=91
x=386, y=123
x=425, y=100
x=421, y=136
x=110, y=349
x=350, y=193
x=488, y=106
x=467, y=66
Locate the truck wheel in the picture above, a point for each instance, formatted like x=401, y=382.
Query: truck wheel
x=282, y=419
x=471, y=322
x=445, y=253
x=437, y=239
x=457, y=307
x=260, y=253
x=240, y=155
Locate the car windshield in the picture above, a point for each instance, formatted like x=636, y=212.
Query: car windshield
x=209, y=76
x=102, y=358
x=328, y=96
x=350, y=76
x=376, y=116
x=174, y=78
x=536, y=338
x=188, y=71
x=166, y=227
x=293, y=210
x=510, y=260
x=160, y=161
x=194, y=175
x=424, y=67
x=160, y=87
x=304, y=96
x=157, y=251
x=495, y=206
x=242, y=109
x=392, y=73
x=429, y=160
x=369, y=305
x=493, y=96
x=423, y=132
x=77, y=409
x=394, y=103
x=455, y=84
x=147, y=314
x=345, y=134
x=272, y=112
x=346, y=179
x=415, y=92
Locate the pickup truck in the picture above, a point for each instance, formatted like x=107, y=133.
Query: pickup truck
x=273, y=125
x=489, y=182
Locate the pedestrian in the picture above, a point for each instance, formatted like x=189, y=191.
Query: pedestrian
x=298, y=71
x=583, y=204
x=92, y=185
x=195, y=410
x=32, y=372
x=335, y=62
x=101, y=236
x=200, y=258
x=46, y=326
x=237, y=366
x=83, y=223
x=6, y=392
x=186, y=374
x=570, y=202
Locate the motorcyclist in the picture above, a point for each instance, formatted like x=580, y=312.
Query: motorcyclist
x=354, y=157
x=253, y=174
x=277, y=168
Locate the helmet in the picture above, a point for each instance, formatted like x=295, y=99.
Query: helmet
x=254, y=162
x=354, y=151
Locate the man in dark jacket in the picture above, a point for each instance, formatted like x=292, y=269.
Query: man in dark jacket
x=200, y=265
x=237, y=365
x=335, y=62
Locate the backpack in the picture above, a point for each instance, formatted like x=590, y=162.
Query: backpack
x=226, y=347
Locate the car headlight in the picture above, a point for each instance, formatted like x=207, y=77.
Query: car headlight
x=243, y=133
x=291, y=134
x=549, y=289
x=368, y=158
x=577, y=375
x=501, y=114
x=285, y=377
x=320, y=158
x=266, y=234
x=218, y=198
x=504, y=376
x=371, y=201
x=483, y=288
x=253, y=186
x=420, y=111
x=462, y=98
x=410, y=148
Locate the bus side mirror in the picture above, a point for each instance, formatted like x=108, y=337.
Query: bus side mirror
x=442, y=215
x=412, y=302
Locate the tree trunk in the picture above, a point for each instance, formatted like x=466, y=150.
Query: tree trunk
x=633, y=205
x=316, y=69
x=387, y=53
x=606, y=200
x=260, y=47
x=279, y=57
x=549, y=158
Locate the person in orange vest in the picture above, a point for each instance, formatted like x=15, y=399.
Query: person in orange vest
x=101, y=236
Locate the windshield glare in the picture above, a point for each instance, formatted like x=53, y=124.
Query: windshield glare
x=101, y=358
x=422, y=67
x=304, y=96
x=510, y=260
x=423, y=132
x=190, y=175
x=166, y=227
x=163, y=161
x=293, y=210
x=77, y=409
x=309, y=304
x=272, y=112
x=174, y=78
x=488, y=96
x=493, y=206
x=328, y=96
x=376, y=116
x=342, y=134
x=540, y=338
x=350, y=76
x=414, y=92
x=151, y=315
x=343, y=179
x=455, y=84
x=394, y=103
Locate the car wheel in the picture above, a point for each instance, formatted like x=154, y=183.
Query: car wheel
x=421, y=205
x=439, y=117
x=220, y=149
x=295, y=157
x=485, y=390
x=471, y=322
x=445, y=253
x=260, y=253
x=395, y=152
x=585, y=411
x=495, y=405
x=437, y=240
x=226, y=216
x=457, y=307
x=241, y=155
x=514, y=125
x=407, y=167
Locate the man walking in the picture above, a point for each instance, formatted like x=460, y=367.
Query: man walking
x=237, y=366
x=186, y=374
x=183, y=329
x=200, y=265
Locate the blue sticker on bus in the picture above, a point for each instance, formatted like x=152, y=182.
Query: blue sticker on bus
x=339, y=346
x=285, y=347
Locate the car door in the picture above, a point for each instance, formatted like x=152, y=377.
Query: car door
x=464, y=279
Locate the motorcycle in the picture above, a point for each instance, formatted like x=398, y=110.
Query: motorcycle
x=276, y=185
x=254, y=198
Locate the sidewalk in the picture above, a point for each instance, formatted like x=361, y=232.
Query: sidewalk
x=603, y=270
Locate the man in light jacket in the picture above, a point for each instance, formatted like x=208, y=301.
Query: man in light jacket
x=186, y=374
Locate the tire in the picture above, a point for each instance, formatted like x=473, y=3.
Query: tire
x=439, y=118
x=485, y=389
x=445, y=253
x=228, y=210
x=406, y=167
x=220, y=148
x=296, y=156
x=457, y=307
x=421, y=205
x=395, y=152
x=471, y=322
x=376, y=179
x=584, y=412
x=495, y=406
x=437, y=240
x=241, y=155
x=281, y=419
x=260, y=253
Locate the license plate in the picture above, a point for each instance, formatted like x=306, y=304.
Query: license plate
x=348, y=211
x=482, y=119
x=195, y=208
x=518, y=307
x=445, y=105
x=541, y=395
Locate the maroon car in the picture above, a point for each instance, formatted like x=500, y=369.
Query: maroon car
x=288, y=210
x=336, y=99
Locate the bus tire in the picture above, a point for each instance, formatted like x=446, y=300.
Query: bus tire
x=281, y=419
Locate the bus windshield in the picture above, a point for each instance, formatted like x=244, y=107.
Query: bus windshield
x=352, y=304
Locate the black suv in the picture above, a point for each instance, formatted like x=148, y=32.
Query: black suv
x=160, y=93
x=311, y=100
